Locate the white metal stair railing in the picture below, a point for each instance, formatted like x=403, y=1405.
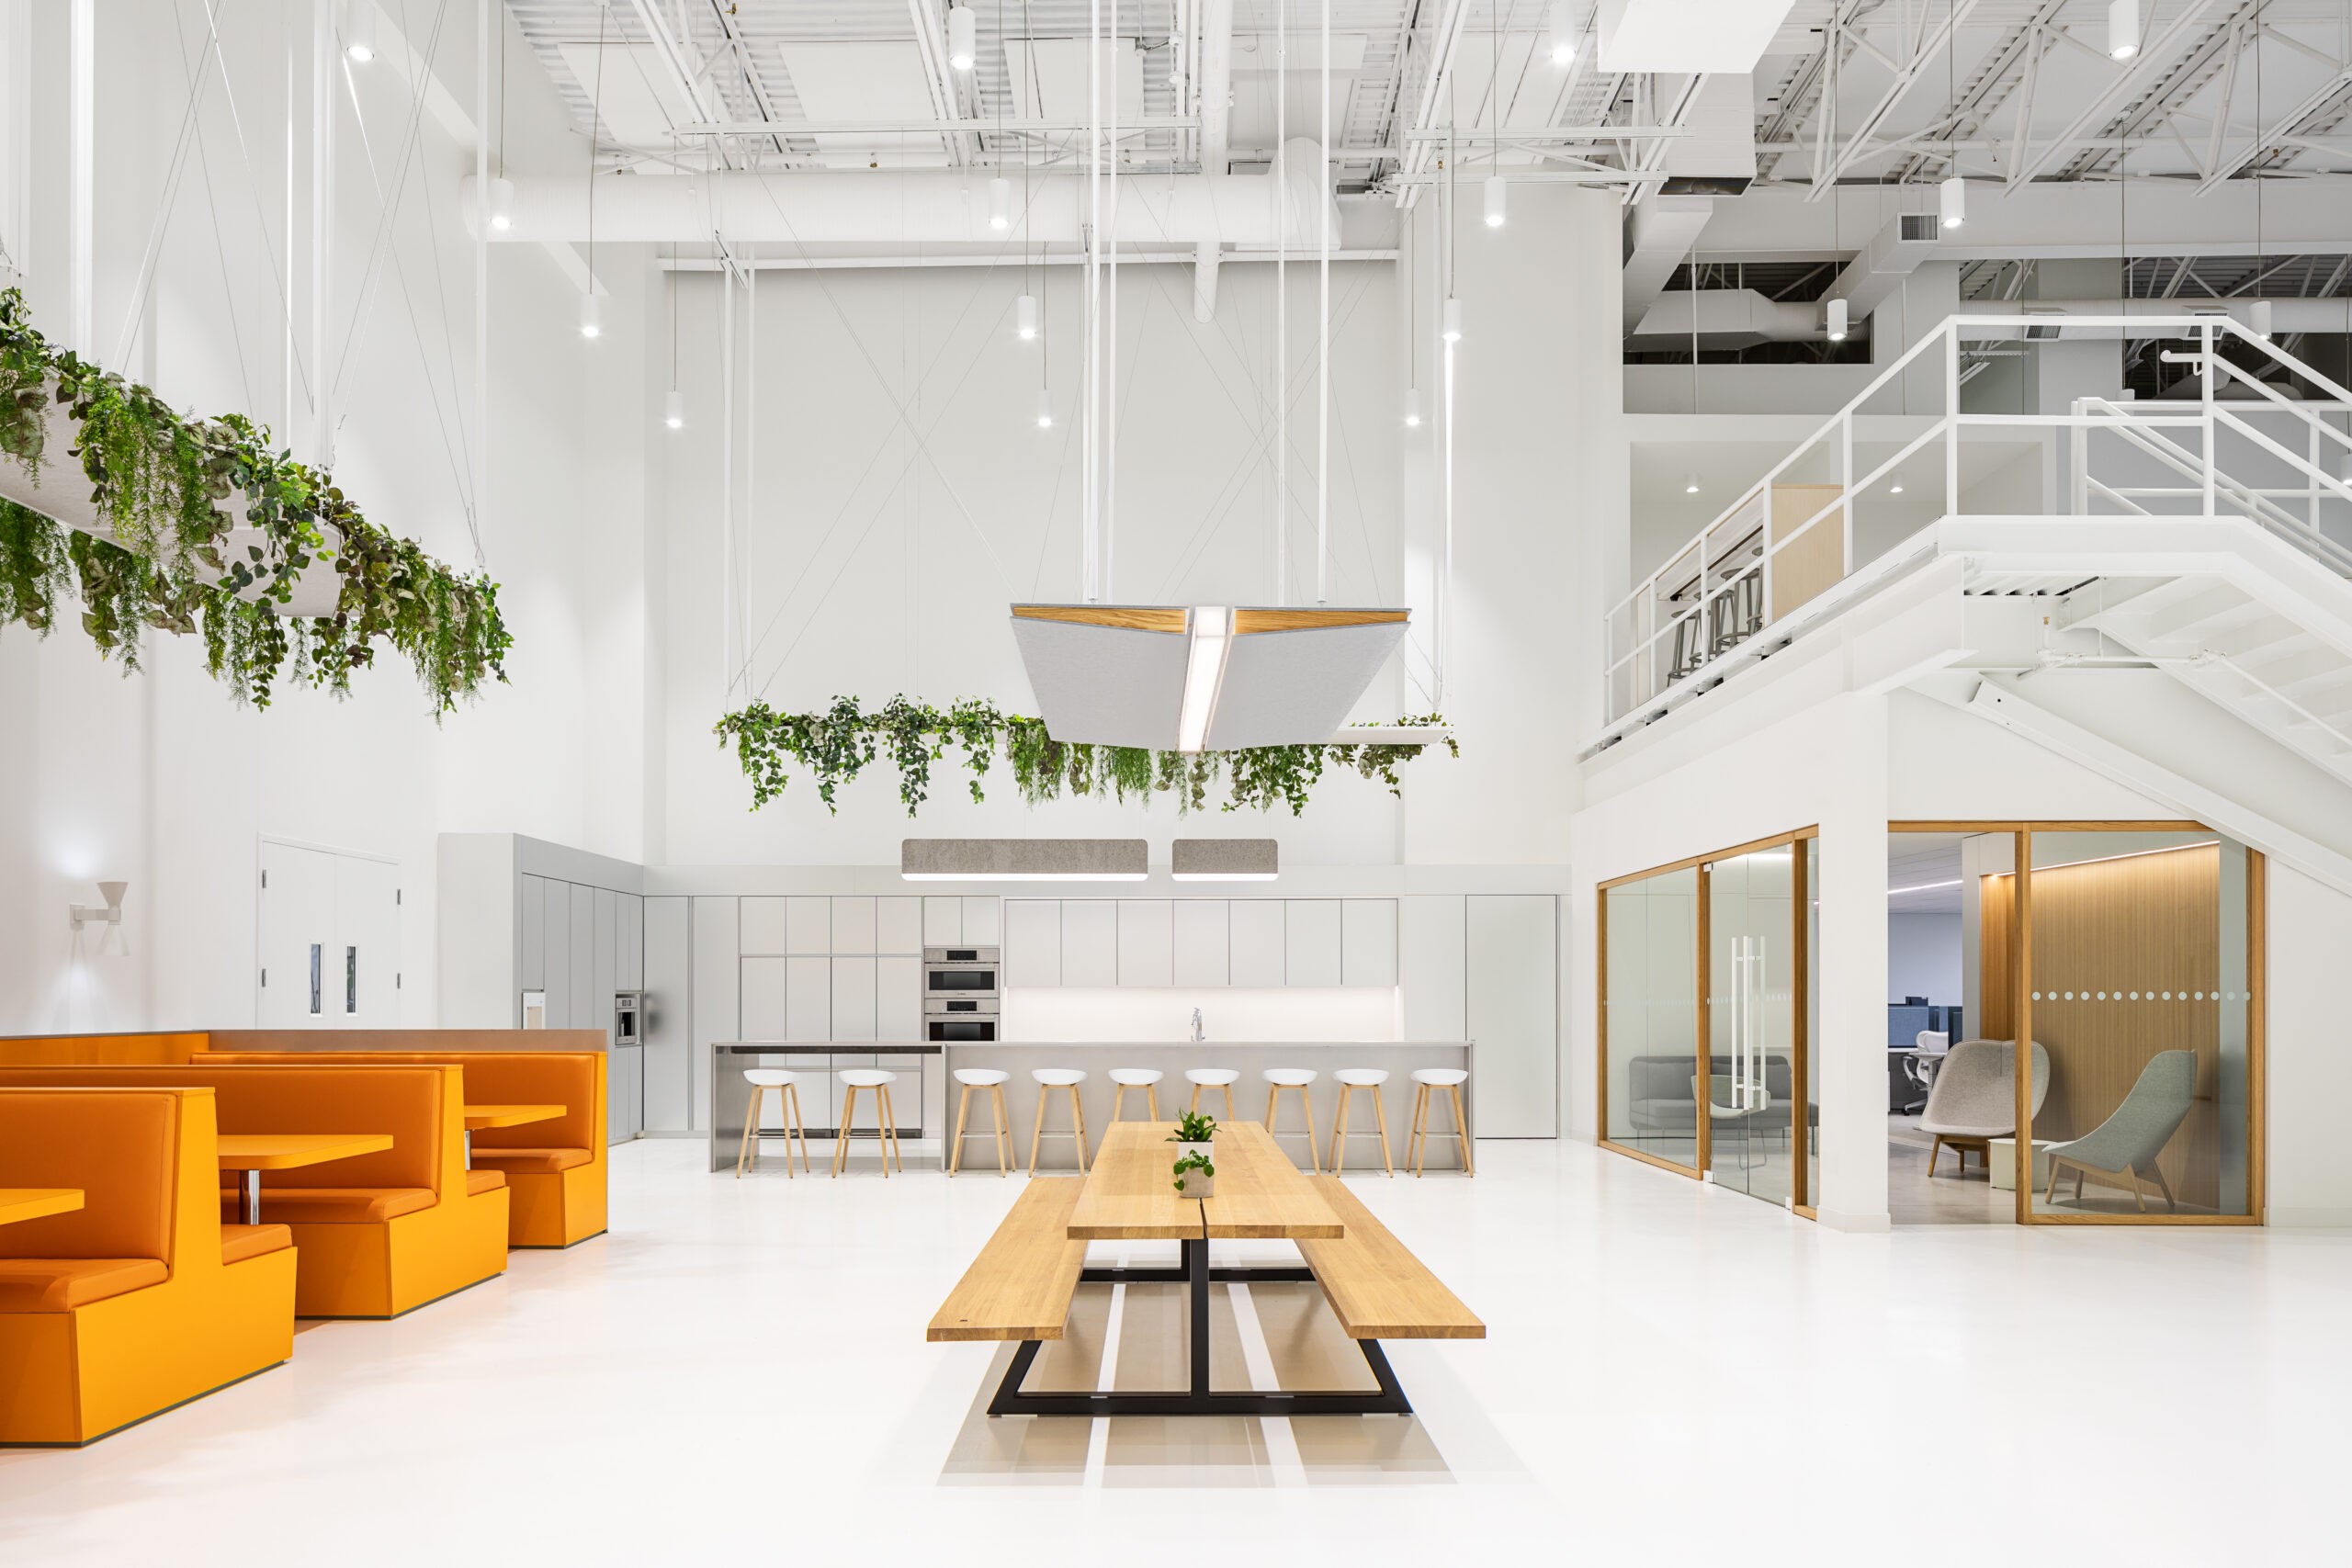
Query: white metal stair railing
x=1745, y=584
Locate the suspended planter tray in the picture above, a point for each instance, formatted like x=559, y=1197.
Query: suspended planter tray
x=1204, y=677
x=59, y=490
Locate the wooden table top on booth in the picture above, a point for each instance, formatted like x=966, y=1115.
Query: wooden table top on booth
x=478, y=1117
x=284, y=1151
x=36, y=1202
x=1130, y=1193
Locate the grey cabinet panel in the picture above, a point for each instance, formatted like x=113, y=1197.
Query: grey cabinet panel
x=766, y=997
x=606, y=959
x=556, y=968
x=1202, y=942
x=853, y=1016
x=531, y=917
x=809, y=924
x=898, y=925
x=898, y=997
x=1311, y=941
x=1257, y=938
x=625, y=1095
x=1513, y=1012
x=632, y=954
x=853, y=926
x=1147, y=942
x=809, y=999
x=586, y=1013
x=764, y=925
x=1033, y=942
x=1431, y=943
x=942, y=921
x=983, y=921
x=1368, y=942
x=1089, y=942
x=668, y=1021
x=716, y=989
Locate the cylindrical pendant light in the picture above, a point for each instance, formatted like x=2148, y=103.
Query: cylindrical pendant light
x=502, y=204
x=1951, y=202
x=1564, y=36
x=1691, y=482
x=1413, y=407
x=674, y=410
x=1045, y=409
x=1497, y=194
x=1024, y=317
x=359, y=31
x=1000, y=204
x=591, y=316
x=962, y=33
x=2258, y=316
x=1452, y=331
x=1835, y=318
x=2122, y=28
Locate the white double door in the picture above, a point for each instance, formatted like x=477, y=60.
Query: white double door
x=330, y=940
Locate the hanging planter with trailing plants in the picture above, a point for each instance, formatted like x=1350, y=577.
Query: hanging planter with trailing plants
x=836, y=745
x=155, y=520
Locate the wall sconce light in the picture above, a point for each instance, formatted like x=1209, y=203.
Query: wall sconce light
x=84, y=914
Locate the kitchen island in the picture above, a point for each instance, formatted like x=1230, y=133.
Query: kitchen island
x=817, y=1065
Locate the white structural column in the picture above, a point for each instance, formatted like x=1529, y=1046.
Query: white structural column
x=1215, y=90
x=81, y=200
x=324, y=57
x=1849, y=1059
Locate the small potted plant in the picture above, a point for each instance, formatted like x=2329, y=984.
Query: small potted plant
x=1196, y=1169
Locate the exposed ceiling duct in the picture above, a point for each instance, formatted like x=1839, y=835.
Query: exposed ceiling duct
x=1742, y=318
x=1216, y=125
x=1660, y=235
x=1685, y=36
x=1893, y=255
x=1718, y=319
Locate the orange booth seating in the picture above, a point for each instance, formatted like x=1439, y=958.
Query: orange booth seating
x=555, y=1170
x=378, y=1234
x=141, y=1299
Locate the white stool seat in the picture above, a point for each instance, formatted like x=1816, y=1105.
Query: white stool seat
x=1361, y=1077
x=1057, y=1077
x=868, y=1078
x=1212, y=1076
x=981, y=1078
x=767, y=1077
x=1135, y=1078
x=1440, y=1076
x=1290, y=1077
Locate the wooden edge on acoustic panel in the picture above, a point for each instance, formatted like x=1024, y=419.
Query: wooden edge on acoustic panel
x=1245, y=622
x=1121, y=617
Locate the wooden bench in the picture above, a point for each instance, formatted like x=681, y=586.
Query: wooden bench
x=1377, y=1289
x=1021, y=1284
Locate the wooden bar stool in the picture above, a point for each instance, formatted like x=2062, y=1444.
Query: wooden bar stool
x=885, y=1123
x=1426, y=1081
x=993, y=1080
x=1145, y=1078
x=1213, y=1078
x=1350, y=1079
x=1280, y=1078
x=787, y=1094
x=1047, y=1080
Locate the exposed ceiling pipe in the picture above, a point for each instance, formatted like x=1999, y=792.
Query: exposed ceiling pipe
x=1419, y=148
x=1741, y=318
x=859, y=208
x=1216, y=124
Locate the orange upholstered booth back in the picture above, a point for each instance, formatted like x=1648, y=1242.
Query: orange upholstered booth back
x=568, y=1079
x=39, y=1050
x=417, y=1105
x=120, y=1147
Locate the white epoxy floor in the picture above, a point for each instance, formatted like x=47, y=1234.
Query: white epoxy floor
x=1674, y=1375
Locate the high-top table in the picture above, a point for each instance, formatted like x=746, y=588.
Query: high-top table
x=1129, y=1195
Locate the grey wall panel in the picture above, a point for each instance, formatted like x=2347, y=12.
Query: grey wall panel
x=716, y=1015
x=669, y=1015
x=1514, y=1015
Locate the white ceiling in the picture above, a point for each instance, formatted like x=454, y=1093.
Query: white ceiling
x=1927, y=865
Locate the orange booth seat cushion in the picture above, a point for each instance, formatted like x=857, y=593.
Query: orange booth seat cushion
x=335, y=1205
x=60, y=1284
x=531, y=1162
x=241, y=1242
x=481, y=1181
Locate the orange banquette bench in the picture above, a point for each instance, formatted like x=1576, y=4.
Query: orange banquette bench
x=141, y=1299
x=377, y=1234
x=555, y=1169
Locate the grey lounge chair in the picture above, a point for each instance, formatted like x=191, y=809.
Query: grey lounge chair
x=1974, y=1098
x=2123, y=1148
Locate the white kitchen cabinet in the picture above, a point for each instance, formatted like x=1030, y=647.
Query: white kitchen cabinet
x=585, y=1012
x=1147, y=942
x=854, y=926
x=1512, y=995
x=606, y=959
x=1202, y=938
x=556, y=968
x=808, y=924
x=898, y=997
x=983, y=922
x=764, y=926
x=1255, y=942
x=531, y=917
x=942, y=921
x=1311, y=941
x=632, y=941
x=715, y=988
x=668, y=1020
x=854, y=1016
x=1431, y=940
x=898, y=925
x=766, y=996
x=1368, y=942
x=1033, y=942
x=809, y=997
x=1089, y=942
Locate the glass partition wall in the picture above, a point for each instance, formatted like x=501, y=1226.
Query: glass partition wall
x=1717, y=949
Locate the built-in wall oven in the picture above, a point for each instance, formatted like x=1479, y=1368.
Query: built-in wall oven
x=959, y=971
x=960, y=1021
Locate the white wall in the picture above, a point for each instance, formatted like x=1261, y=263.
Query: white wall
x=1923, y=958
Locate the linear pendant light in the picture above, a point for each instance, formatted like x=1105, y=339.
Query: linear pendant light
x=1224, y=859
x=1023, y=860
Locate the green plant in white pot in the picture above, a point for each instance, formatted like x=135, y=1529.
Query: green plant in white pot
x=1195, y=1171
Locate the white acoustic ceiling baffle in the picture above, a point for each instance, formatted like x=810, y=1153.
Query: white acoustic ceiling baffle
x=1680, y=37
x=1212, y=679
x=1023, y=860
x=1224, y=859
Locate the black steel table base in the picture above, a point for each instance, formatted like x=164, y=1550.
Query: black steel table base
x=1199, y=1399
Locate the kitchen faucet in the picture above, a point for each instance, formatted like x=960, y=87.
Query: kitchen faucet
x=1197, y=1035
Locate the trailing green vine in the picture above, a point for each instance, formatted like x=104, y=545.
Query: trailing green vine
x=159, y=482
x=837, y=744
